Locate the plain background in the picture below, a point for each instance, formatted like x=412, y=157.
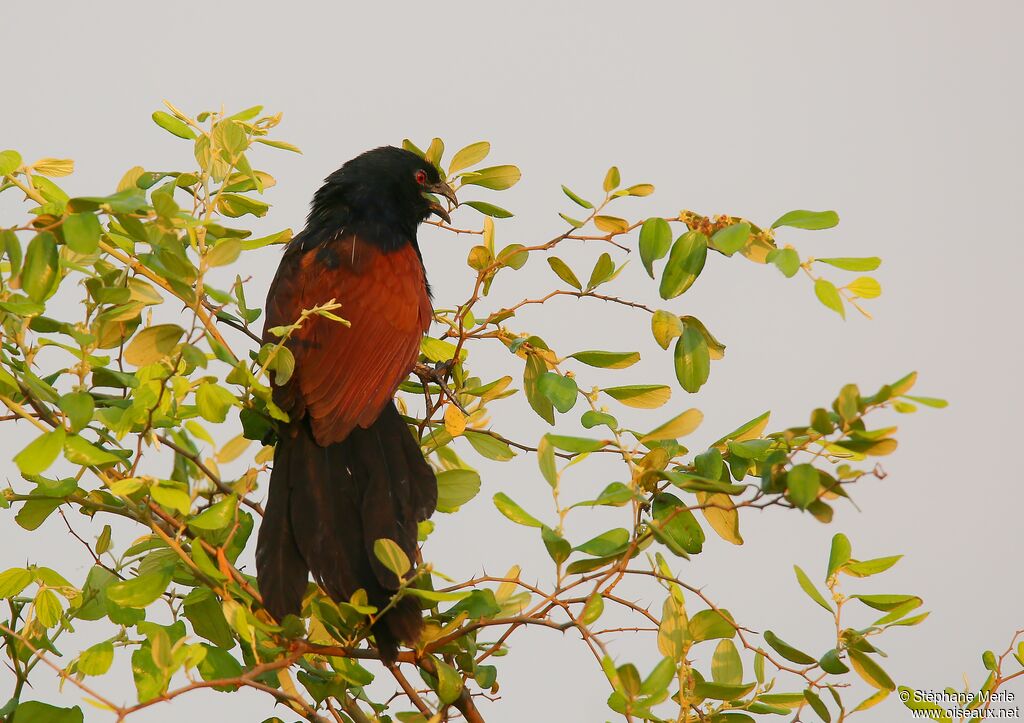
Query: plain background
x=903, y=117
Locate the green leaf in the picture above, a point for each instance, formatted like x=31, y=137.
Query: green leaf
x=35, y=512
x=217, y=516
x=82, y=232
x=13, y=581
x=96, y=660
x=282, y=145
x=866, y=568
x=674, y=638
x=225, y=252
x=449, y=682
x=576, y=199
x=47, y=608
x=592, y=610
x=496, y=178
x=718, y=691
x=12, y=247
x=576, y=445
x=607, y=543
x=786, y=260
x=172, y=498
x=488, y=446
x=811, y=220
x=558, y=548
x=438, y=350
x=868, y=669
x=78, y=407
x=488, y=209
x=814, y=700
x=218, y=665
x=153, y=344
x=808, y=587
x=39, y=275
x=848, y=263
x=786, y=650
x=607, y=359
x=732, y=238
x=138, y=592
x=603, y=270
x=214, y=401
x=434, y=152
x=127, y=201
x=561, y=391
x=435, y=596
x=675, y=526
x=173, y=125
x=207, y=617
x=684, y=265
x=34, y=712
x=828, y=295
x=563, y=272
x=656, y=684
x=712, y=624
x=479, y=604
x=655, y=241
x=546, y=461
x=591, y=419
x=929, y=401
x=10, y=161
x=392, y=556
x=234, y=205
x=41, y=452
x=533, y=372
x=514, y=512
x=665, y=326
x=887, y=602
x=831, y=663
x=726, y=665
x=692, y=359
x=469, y=156
x=80, y=451
x=804, y=484
x=456, y=487
x=641, y=396
x=839, y=554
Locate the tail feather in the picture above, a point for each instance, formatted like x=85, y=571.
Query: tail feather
x=329, y=505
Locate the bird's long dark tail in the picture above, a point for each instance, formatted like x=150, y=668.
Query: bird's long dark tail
x=328, y=505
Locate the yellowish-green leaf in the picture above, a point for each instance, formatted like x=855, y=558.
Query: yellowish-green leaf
x=391, y=556
x=677, y=427
x=469, y=156
x=611, y=224
x=153, y=344
x=828, y=295
x=865, y=287
x=641, y=396
x=607, y=359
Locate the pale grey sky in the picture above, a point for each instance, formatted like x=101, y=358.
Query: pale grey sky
x=902, y=116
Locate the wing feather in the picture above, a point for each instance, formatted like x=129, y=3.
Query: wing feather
x=345, y=375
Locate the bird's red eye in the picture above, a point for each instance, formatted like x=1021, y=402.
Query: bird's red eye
x=421, y=177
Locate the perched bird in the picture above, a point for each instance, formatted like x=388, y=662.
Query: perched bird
x=347, y=470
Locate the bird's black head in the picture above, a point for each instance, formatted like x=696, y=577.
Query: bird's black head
x=381, y=196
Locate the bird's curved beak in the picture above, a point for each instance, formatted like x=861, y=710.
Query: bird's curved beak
x=442, y=189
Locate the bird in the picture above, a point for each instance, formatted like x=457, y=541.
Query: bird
x=347, y=470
